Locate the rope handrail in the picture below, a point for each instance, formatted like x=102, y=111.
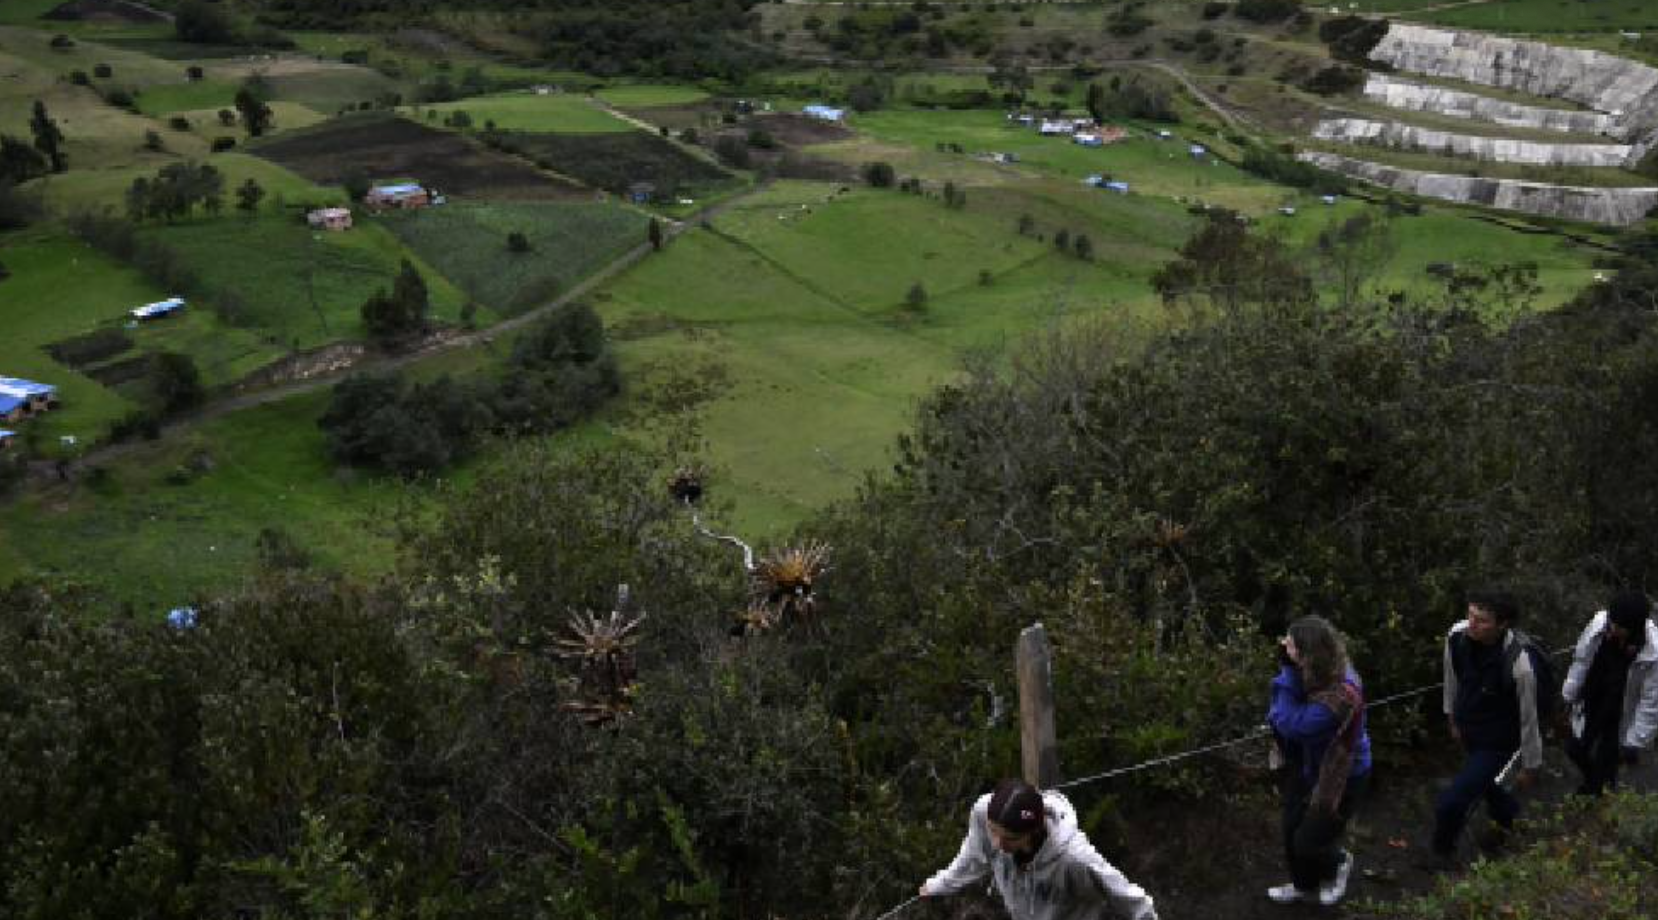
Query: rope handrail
x=1258, y=733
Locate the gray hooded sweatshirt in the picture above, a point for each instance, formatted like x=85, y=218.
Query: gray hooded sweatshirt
x=1066, y=880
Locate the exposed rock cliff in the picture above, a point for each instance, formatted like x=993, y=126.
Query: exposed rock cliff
x=1617, y=206
x=1421, y=97
x=1494, y=149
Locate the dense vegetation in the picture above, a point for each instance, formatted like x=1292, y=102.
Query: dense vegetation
x=432, y=746
x=681, y=38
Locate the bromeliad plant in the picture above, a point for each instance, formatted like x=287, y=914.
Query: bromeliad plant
x=783, y=581
x=781, y=584
x=604, y=648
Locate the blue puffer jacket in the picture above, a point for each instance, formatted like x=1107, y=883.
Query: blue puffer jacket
x=1305, y=728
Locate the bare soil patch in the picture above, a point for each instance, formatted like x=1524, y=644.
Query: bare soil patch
x=386, y=147
x=91, y=348
x=106, y=11
x=676, y=117
x=793, y=130
x=126, y=371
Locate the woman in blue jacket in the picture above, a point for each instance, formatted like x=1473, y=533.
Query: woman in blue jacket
x=1318, y=721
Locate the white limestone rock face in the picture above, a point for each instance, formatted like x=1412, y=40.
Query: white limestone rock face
x=1494, y=149
x=1420, y=97
x=1615, y=206
x=1622, y=88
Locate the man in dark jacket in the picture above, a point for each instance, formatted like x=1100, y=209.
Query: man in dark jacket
x=1491, y=702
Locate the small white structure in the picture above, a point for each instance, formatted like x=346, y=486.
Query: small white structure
x=1054, y=128
x=1328, y=199
x=1164, y=134
x=824, y=112
x=158, y=309
x=329, y=219
x=1088, y=140
x=1198, y=151
x=1286, y=210
x=1118, y=186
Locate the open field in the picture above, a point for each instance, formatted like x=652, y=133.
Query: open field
x=39, y=310
x=96, y=134
x=468, y=244
x=157, y=543
x=1149, y=165
x=616, y=161
x=559, y=113
x=386, y=147
x=1547, y=16
x=91, y=190
x=297, y=288
x=643, y=95
x=788, y=322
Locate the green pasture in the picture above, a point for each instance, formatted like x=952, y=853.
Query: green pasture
x=790, y=323
x=28, y=12
x=128, y=68
x=297, y=287
x=1149, y=165
x=467, y=242
x=646, y=95
x=158, y=540
x=91, y=190
x=1547, y=16
x=167, y=98
x=61, y=288
x=1442, y=234
x=558, y=113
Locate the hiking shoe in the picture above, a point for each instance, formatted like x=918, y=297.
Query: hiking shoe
x=1287, y=893
x=1331, y=894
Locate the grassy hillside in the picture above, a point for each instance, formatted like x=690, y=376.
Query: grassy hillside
x=467, y=242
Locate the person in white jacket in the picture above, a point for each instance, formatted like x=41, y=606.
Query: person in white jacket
x=1612, y=691
x=1028, y=843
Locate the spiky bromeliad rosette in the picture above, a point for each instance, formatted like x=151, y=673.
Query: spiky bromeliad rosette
x=603, y=646
x=781, y=585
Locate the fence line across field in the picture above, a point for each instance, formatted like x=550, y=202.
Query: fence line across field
x=1038, y=730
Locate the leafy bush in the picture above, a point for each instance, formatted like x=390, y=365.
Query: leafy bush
x=1351, y=38
x=1599, y=860
x=1335, y=79
x=1266, y=11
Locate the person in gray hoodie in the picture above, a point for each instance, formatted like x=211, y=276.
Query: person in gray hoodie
x=1028, y=843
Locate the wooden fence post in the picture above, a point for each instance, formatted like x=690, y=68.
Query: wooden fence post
x=1039, y=752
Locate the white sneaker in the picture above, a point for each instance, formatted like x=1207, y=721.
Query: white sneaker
x=1330, y=895
x=1286, y=893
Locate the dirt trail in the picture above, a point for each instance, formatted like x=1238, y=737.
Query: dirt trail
x=1219, y=865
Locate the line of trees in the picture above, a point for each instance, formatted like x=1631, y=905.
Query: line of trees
x=557, y=374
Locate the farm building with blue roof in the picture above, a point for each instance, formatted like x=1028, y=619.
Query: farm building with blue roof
x=21, y=398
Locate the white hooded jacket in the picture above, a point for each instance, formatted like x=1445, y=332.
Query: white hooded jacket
x=1639, y=725
x=1067, y=879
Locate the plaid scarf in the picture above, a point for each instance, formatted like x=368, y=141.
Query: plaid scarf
x=1345, y=701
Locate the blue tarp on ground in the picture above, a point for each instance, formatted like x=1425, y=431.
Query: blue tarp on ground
x=9, y=404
